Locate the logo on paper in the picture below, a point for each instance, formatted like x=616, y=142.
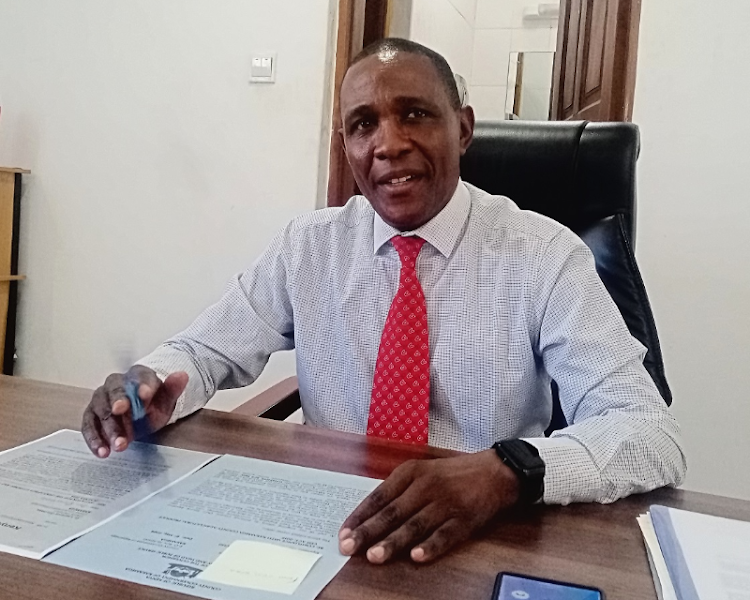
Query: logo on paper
x=181, y=571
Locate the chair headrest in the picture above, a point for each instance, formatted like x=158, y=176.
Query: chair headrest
x=574, y=172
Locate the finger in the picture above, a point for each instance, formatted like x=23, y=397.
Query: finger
x=117, y=399
x=384, y=522
x=446, y=536
x=111, y=424
x=91, y=434
x=415, y=530
x=379, y=498
x=148, y=382
x=127, y=425
x=112, y=429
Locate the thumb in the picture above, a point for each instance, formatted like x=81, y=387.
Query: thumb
x=165, y=400
x=174, y=385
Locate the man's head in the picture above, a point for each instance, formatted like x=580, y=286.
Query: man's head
x=404, y=130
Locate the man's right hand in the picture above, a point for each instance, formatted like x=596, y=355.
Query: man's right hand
x=107, y=421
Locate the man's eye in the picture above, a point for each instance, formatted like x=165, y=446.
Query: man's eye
x=362, y=124
x=416, y=113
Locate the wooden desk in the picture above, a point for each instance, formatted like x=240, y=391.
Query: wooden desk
x=591, y=544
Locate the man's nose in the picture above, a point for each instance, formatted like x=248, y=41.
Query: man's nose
x=392, y=140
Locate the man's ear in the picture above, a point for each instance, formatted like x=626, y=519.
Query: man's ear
x=466, y=123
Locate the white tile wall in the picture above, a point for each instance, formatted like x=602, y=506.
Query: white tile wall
x=439, y=25
x=508, y=14
x=494, y=14
x=477, y=37
x=467, y=8
x=537, y=72
x=492, y=49
x=499, y=30
x=517, y=16
x=530, y=40
x=488, y=101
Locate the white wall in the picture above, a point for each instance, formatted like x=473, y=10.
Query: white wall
x=691, y=102
x=446, y=26
x=157, y=170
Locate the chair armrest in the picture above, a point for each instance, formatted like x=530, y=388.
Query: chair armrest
x=277, y=402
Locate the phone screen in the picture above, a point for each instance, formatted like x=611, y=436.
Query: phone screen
x=518, y=587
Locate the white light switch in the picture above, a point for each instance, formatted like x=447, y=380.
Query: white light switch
x=263, y=68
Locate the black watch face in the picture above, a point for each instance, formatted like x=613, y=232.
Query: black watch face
x=528, y=467
x=520, y=453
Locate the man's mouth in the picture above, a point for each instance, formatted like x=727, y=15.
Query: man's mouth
x=399, y=181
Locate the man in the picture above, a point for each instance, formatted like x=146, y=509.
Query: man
x=426, y=308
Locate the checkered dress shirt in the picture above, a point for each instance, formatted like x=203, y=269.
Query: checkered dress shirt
x=513, y=300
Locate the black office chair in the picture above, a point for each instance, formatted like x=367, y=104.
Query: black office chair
x=583, y=175
x=579, y=173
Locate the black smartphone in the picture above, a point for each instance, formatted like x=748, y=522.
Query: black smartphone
x=512, y=586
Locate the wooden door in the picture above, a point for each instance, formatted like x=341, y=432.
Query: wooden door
x=594, y=76
x=361, y=22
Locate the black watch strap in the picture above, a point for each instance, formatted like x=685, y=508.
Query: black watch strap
x=523, y=459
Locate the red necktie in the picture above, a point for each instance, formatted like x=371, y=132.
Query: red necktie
x=401, y=387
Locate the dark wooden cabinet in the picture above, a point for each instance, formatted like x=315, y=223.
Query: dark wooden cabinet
x=10, y=215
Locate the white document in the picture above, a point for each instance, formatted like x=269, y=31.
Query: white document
x=659, y=571
x=708, y=557
x=54, y=489
x=174, y=537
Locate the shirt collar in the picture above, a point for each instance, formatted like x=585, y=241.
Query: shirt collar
x=441, y=232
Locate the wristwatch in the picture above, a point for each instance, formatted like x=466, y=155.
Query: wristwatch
x=523, y=459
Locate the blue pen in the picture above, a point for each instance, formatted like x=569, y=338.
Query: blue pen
x=141, y=426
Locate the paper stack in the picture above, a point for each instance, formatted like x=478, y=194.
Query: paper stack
x=695, y=556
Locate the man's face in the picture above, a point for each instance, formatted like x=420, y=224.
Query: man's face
x=402, y=137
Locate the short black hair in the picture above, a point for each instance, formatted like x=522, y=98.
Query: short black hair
x=401, y=45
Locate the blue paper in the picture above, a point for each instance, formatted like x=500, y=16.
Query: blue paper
x=141, y=427
x=669, y=543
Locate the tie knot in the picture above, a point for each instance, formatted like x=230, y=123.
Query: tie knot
x=408, y=247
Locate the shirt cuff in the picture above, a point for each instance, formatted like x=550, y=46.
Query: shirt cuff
x=570, y=472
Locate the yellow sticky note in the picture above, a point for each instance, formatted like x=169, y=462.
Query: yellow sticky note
x=261, y=566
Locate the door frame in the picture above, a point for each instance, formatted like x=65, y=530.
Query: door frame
x=360, y=22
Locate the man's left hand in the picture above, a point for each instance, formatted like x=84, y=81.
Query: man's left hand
x=429, y=506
